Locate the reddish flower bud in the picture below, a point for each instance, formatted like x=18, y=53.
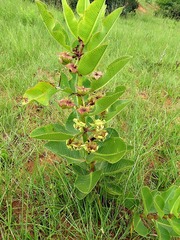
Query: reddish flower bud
x=82, y=110
x=65, y=58
x=72, y=67
x=66, y=103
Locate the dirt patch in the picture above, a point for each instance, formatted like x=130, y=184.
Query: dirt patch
x=143, y=95
x=168, y=102
x=141, y=9
x=45, y=159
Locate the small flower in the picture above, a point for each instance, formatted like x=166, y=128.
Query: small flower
x=66, y=103
x=65, y=58
x=96, y=75
x=79, y=125
x=72, y=67
x=101, y=135
x=82, y=110
x=90, y=147
x=74, y=144
x=98, y=124
x=81, y=90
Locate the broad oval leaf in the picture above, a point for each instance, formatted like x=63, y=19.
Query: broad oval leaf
x=147, y=198
x=159, y=205
x=79, y=194
x=82, y=6
x=105, y=102
x=90, y=60
x=175, y=224
x=113, y=189
x=41, y=93
x=85, y=183
x=112, y=133
x=90, y=20
x=70, y=123
x=116, y=108
x=164, y=229
x=117, y=167
x=174, y=204
x=107, y=25
x=70, y=18
x=53, y=26
x=60, y=148
x=112, y=150
x=139, y=226
x=81, y=169
x=111, y=72
x=52, y=132
x=168, y=197
x=163, y=234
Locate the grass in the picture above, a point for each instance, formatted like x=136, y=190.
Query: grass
x=36, y=194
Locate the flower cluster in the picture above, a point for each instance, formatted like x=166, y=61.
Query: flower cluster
x=94, y=133
x=82, y=101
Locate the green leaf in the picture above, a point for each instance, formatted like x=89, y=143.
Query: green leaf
x=41, y=93
x=90, y=60
x=60, y=149
x=112, y=150
x=168, y=195
x=64, y=83
x=175, y=209
x=147, y=198
x=80, y=195
x=53, y=26
x=164, y=226
x=130, y=202
x=115, y=168
x=80, y=169
x=113, y=189
x=163, y=234
x=70, y=123
x=107, y=25
x=115, y=109
x=82, y=6
x=85, y=183
x=71, y=20
x=175, y=224
x=111, y=72
x=112, y=133
x=105, y=102
x=139, y=226
x=174, y=203
x=52, y=132
x=90, y=20
x=159, y=205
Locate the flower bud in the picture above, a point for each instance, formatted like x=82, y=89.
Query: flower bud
x=66, y=103
x=72, y=67
x=81, y=90
x=92, y=100
x=83, y=110
x=65, y=58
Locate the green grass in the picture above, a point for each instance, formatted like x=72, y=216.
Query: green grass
x=36, y=190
